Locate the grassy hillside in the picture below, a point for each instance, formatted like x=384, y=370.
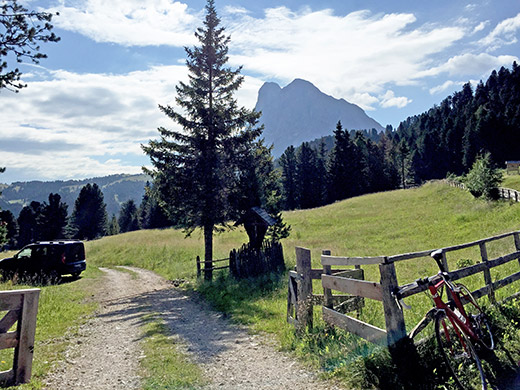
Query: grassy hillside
x=432, y=216
x=511, y=181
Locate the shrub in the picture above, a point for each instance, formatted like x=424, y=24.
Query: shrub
x=483, y=179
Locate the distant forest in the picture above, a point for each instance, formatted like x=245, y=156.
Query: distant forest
x=445, y=139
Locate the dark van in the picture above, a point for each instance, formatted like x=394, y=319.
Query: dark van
x=47, y=258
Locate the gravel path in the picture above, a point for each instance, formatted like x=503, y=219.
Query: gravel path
x=106, y=353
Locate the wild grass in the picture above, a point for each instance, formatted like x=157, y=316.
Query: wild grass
x=163, y=366
x=62, y=309
x=511, y=181
x=429, y=217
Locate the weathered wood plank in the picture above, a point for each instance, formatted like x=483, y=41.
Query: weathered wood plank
x=360, y=288
x=327, y=292
x=316, y=273
x=409, y=256
x=394, y=318
x=295, y=275
x=414, y=255
x=319, y=299
x=27, y=328
x=10, y=301
x=9, y=320
x=305, y=307
x=504, y=282
x=8, y=340
x=487, y=273
x=362, y=329
x=473, y=269
x=337, y=260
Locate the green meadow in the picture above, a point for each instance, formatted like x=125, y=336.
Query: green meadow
x=429, y=217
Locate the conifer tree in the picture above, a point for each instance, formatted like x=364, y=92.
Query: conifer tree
x=195, y=169
x=151, y=214
x=89, y=218
x=128, y=219
x=341, y=166
x=53, y=218
x=21, y=32
x=288, y=164
x=10, y=225
x=113, y=226
x=29, y=228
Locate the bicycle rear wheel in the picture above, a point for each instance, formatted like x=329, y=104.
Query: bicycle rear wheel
x=478, y=318
x=459, y=354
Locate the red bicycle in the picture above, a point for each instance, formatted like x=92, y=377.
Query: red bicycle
x=460, y=325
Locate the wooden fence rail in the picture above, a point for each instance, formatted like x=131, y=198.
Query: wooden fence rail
x=209, y=265
x=22, y=308
x=504, y=193
x=385, y=289
x=301, y=299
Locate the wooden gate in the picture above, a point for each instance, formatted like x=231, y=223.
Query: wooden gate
x=22, y=308
x=301, y=299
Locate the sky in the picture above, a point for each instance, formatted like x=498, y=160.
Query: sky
x=93, y=102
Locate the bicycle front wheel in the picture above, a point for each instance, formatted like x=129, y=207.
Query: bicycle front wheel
x=459, y=354
x=478, y=319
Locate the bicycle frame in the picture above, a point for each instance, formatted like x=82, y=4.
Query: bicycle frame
x=462, y=323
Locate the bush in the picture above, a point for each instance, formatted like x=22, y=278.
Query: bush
x=483, y=179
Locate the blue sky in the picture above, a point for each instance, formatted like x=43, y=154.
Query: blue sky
x=92, y=103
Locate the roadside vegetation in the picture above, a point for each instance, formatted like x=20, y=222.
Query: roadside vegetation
x=62, y=309
x=432, y=216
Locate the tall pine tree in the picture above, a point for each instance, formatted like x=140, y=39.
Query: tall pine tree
x=195, y=169
x=89, y=219
x=54, y=218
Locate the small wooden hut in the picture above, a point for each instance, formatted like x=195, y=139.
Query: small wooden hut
x=512, y=167
x=256, y=222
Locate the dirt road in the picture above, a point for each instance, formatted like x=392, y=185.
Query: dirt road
x=107, y=351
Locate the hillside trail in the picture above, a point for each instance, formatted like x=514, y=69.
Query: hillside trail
x=106, y=351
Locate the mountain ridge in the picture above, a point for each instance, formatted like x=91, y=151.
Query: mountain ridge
x=300, y=112
x=116, y=189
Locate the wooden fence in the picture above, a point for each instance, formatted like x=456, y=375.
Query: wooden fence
x=250, y=262
x=22, y=308
x=385, y=290
x=208, y=265
x=301, y=299
x=247, y=261
x=504, y=193
x=508, y=193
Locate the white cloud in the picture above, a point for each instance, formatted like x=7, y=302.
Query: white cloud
x=481, y=26
x=505, y=33
x=443, y=87
x=390, y=100
x=470, y=65
x=71, y=123
x=82, y=125
x=129, y=22
x=364, y=52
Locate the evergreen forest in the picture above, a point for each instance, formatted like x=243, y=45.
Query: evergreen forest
x=446, y=139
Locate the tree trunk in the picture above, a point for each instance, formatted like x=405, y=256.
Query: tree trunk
x=208, y=252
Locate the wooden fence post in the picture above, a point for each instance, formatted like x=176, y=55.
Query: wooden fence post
x=22, y=364
x=516, y=236
x=487, y=273
x=198, y=266
x=394, y=319
x=305, y=308
x=327, y=292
